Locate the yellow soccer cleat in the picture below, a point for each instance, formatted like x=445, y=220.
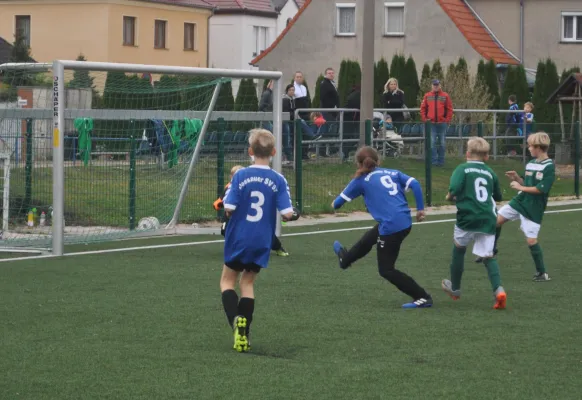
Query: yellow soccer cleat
x=241, y=343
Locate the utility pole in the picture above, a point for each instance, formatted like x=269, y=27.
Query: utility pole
x=367, y=84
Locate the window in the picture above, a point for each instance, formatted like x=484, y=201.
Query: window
x=22, y=25
x=160, y=34
x=189, y=36
x=394, y=19
x=572, y=27
x=346, y=19
x=129, y=31
x=261, y=36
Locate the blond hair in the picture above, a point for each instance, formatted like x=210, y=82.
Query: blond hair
x=314, y=115
x=262, y=142
x=539, y=139
x=387, y=85
x=478, y=147
x=234, y=169
x=530, y=104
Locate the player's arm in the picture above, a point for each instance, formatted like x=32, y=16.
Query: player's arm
x=497, y=194
x=351, y=191
x=232, y=196
x=457, y=184
x=514, y=177
x=409, y=183
x=543, y=187
x=284, y=204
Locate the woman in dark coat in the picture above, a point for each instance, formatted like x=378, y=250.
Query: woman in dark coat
x=394, y=98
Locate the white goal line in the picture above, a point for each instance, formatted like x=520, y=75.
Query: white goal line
x=170, y=245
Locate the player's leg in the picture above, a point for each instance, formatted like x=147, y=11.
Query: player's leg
x=246, y=305
x=531, y=231
x=277, y=247
x=229, y=296
x=359, y=250
x=461, y=239
x=484, y=248
x=388, y=248
x=510, y=215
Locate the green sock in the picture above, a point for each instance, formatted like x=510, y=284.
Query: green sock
x=493, y=272
x=457, y=266
x=497, y=234
x=538, y=257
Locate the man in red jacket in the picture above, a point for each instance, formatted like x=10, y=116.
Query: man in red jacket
x=437, y=108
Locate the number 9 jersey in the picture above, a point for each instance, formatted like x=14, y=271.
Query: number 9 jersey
x=254, y=196
x=476, y=189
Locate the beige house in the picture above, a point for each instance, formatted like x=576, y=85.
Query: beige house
x=324, y=32
x=160, y=32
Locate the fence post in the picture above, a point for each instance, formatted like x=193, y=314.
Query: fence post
x=132, y=186
x=298, y=165
x=428, y=162
x=368, y=127
x=221, y=126
x=28, y=166
x=577, y=135
x=480, y=128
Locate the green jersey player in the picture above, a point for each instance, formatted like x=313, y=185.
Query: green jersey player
x=530, y=203
x=475, y=189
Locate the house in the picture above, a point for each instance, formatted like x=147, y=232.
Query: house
x=161, y=32
x=287, y=10
x=324, y=32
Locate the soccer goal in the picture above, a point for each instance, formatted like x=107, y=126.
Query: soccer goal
x=97, y=151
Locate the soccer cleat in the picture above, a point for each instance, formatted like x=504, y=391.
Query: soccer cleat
x=448, y=288
x=500, y=299
x=541, y=277
x=340, y=251
x=480, y=259
x=419, y=303
x=241, y=343
x=281, y=252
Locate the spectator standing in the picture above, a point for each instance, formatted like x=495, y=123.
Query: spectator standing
x=301, y=99
x=266, y=104
x=288, y=107
x=328, y=95
x=514, y=120
x=437, y=108
x=394, y=98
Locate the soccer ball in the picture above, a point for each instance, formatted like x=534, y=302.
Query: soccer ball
x=148, y=223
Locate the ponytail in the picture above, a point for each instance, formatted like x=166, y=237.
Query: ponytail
x=367, y=160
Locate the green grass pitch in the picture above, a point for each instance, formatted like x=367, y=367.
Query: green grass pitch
x=149, y=324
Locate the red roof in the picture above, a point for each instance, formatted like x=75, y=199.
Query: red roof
x=479, y=37
x=250, y=5
x=282, y=34
x=184, y=3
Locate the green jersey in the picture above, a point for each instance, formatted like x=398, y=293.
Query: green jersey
x=476, y=189
x=539, y=174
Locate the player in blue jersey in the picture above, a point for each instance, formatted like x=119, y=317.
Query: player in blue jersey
x=251, y=202
x=383, y=191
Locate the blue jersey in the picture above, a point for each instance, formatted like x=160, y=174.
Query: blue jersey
x=254, y=196
x=384, y=194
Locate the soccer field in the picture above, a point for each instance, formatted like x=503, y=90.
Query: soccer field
x=149, y=324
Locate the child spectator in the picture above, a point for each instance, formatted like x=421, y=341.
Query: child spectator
x=513, y=119
x=528, y=108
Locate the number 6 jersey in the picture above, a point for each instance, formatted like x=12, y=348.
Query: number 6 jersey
x=254, y=196
x=476, y=189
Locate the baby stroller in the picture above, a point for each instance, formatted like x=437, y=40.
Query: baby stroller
x=388, y=142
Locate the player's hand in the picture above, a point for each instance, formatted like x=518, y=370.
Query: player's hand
x=450, y=197
x=296, y=214
x=420, y=215
x=515, y=185
x=512, y=175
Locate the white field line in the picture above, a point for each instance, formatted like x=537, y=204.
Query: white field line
x=170, y=245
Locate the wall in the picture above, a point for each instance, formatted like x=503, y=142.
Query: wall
x=226, y=37
x=311, y=44
x=543, y=26
x=288, y=11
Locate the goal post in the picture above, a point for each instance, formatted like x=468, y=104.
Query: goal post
x=91, y=150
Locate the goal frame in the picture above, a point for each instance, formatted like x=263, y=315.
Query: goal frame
x=58, y=112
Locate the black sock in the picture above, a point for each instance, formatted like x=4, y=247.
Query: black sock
x=497, y=234
x=406, y=284
x=230, y=303
x=246, y=307
x=276, y=244
x=362, y=247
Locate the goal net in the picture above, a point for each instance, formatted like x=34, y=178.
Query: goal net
x=101, y=151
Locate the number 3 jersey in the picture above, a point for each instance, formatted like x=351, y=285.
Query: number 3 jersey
x=476, y=189
x=384, y=194
x=254, y=196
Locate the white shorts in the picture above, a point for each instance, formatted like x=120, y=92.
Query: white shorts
x=483, y=243
x=529, y=228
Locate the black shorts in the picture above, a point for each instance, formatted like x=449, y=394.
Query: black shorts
x=240, y=267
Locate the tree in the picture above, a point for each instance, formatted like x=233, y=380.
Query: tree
x=538, y=95
x=83, y=80
x=551, y=83
x=465, y=94
x=246, y=100
x=436, y=71
x=452, y=71
x=342, y=82
x=481, y=72
x=397, y=66
x=381, y=76
x=225, y=101
x=315, y=102
x=410, y=84
x=492, y=83
x=463, y=70
x=509, y=86
x=114, y=83
x=567, y=107
x=521, y=86
x=20, y=53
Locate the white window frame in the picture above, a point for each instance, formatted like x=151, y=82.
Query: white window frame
x=260, y=37
x=389, y=5
x=134, y=30
x=195, y=38
x=338, y=7
x=573, y=14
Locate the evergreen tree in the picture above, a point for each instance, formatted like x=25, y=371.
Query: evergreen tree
x=436, y=71
x=10, y=80
x=315, y=102
x=509, y=87
x=492, y=83
x=20, y=52
x=521, y=86
x=342, y=82
x=225, y=101
x=113, y=91
x=550, y=84
x=397, y=66
x=381, y=76
x=246, y=100
x=480, y=78
x=567, y=107
x=83, y=80
x=410, y=84
x=463, y=70
x=424, y=83
x=538, y=94
x=451, y=71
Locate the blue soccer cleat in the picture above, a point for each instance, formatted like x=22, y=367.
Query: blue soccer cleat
x=419, y=303
x=340, y=251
